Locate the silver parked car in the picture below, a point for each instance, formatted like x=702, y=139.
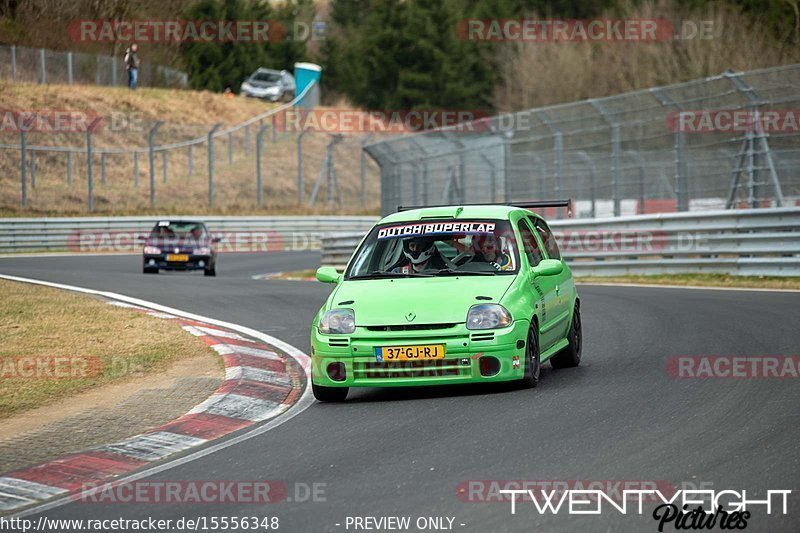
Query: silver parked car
x=272, y=85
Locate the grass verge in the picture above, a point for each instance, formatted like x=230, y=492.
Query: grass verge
x=704, y=280
x=54, y=344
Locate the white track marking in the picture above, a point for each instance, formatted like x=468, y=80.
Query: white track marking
x=692, y=287
x=302, y=404
x=153, y=446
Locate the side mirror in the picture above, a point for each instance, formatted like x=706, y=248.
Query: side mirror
x=548, y=267
x=328, y=274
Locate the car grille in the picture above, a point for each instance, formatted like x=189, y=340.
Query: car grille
x=410, y=327
x=486, y=336
x=411, y=369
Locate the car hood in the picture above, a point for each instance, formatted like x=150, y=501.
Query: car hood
x=444, y=299
x=263, y=84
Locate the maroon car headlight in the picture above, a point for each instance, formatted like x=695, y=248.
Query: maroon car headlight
x=152, y=250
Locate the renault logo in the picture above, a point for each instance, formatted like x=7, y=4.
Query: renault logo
x=410, y=316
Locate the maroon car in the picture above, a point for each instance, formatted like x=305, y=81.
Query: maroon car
x=180, y=245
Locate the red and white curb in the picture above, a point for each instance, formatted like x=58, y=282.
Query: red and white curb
x=264, y=379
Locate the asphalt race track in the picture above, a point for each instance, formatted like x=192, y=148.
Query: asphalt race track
x=404, y=452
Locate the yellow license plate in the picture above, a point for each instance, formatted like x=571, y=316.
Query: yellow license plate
x=423, y=352
x=178, y=257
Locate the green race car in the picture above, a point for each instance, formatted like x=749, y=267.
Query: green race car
x=446, y=295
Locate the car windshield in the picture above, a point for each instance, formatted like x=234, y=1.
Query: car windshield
x=266, y=77
x=436, y=248
x=178, y=231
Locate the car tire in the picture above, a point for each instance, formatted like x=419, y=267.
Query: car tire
x=329, y=394
x=146, y=270
x=210, y=271
x=533, y=365
x=571, y=355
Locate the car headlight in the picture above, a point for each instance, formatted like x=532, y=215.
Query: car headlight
x=202, y=251
x=338, y=321
x=152, y=250
x=246, y=86
x=272, y=90
x=488, y=316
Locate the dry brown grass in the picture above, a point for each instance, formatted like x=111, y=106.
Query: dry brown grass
x=187, y=115
x=543, y=73
x=110, y=343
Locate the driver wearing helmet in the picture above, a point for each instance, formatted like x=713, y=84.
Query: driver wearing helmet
x=419, y=253
x=488, y=250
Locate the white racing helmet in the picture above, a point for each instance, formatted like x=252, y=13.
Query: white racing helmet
x=423, y=249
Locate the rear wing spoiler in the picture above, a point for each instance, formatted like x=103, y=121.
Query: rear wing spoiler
x=525, y=204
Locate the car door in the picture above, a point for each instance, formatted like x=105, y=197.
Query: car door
x=564, y=284
x=542, y=288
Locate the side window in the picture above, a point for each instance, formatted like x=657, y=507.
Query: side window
x=548, y=239
x=529, y=243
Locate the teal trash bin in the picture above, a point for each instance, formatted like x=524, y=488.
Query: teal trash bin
x=304, y=75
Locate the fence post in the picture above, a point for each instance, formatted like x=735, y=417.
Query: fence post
x=69, y=68
x=33, y=169
x=13, y=62
x=274, y=131
x=69, y=168
x=678, y=144
x=114, y=71
x=230, y=147
x=103, y=179
x=582, y=155
x=89, y=170
x=247, y=141
x=211, y=165
x=615, y=152
x=42, y=71
x=24, y=166
x=558, y=148
x=164, y=165
x=151, y=152
x=363, y=170
x=136, y=169
x=755, y=142
x=189, y=160
x=299, y=162
x=259, y=143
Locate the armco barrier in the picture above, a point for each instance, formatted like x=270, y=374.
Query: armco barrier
x=762, y=242
x=119, y=234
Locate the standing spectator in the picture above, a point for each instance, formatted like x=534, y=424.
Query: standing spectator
x=132, y=65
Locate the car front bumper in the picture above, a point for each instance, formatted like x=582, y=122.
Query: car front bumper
x=195, y=262
x=461, y=364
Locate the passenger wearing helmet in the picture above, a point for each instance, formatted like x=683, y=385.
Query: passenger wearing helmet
x=419, y=253
x=487, y=249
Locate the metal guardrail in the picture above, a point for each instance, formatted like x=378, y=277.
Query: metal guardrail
x=120, y=234
x=763, y=242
